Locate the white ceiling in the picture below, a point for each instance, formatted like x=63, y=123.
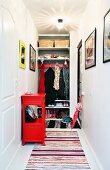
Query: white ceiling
x=46, y=12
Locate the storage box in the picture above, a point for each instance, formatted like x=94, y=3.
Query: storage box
x=45, y=43
x=61, y=43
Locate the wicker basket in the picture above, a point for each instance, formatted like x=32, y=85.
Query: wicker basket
x=107, y=43
x=61, y=43
x=45, y=43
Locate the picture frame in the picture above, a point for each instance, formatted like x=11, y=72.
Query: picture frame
x=22, y=54
x=90, y=50
x=106, y=38
x=32, y=56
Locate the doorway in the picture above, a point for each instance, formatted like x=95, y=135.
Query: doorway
x=79, y=78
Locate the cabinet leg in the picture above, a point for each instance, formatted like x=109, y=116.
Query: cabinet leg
x=43, y=143
x=23, y=143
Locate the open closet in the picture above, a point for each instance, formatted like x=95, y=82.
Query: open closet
x=53, y=64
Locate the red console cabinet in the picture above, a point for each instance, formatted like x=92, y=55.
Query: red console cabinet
x=35, y=131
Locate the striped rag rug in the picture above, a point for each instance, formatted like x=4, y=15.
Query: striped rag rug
x=63, y=151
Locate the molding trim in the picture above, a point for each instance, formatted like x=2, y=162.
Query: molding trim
x=91, y=150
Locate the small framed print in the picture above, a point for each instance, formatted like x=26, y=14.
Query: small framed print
x=90, y=50
x=22, y=54
x=106, y=38
x=32, y=58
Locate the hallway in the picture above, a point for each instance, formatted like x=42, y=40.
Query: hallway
x=23, y=153
x=62, y=48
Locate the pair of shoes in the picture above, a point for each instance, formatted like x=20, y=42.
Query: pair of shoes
x=51, y=105
x=59, y=104
x=67, y=119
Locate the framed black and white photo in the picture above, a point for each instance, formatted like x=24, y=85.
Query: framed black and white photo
x=90, y=50
x=32, y=58
x=106, y=38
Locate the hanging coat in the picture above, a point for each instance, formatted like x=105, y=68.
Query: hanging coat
x=49, y=89
x=42, y=80
x=60, y=92
x=66, y=82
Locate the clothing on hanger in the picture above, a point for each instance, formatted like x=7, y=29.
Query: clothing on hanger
x=66, y=81
x=57, y=77
x=60, y=92
x=42, y=80
x=49, y=89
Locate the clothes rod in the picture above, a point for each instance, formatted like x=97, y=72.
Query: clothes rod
x=52, y=65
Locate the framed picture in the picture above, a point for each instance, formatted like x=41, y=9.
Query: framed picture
x=90, y=50
x=106, y=38
x=22, y=54
x=32, y=58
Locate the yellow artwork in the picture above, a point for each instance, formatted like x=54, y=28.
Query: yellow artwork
x=22, y=54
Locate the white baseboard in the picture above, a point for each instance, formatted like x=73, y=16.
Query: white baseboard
x=98, y=164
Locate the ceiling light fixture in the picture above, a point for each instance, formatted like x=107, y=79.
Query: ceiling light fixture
x=60, y=24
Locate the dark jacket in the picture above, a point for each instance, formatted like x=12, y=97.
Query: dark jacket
x=49, y=83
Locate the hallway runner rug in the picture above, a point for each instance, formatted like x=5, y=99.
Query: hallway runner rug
x=63, y=151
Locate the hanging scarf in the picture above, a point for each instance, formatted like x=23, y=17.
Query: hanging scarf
x=57, y=77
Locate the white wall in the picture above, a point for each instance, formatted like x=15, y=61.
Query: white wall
x=15, y=24
x=73, y=71
x=96, y=85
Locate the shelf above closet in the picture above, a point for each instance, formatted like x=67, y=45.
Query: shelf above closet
x=53, y=48
x=55, y=59
x=54, y=35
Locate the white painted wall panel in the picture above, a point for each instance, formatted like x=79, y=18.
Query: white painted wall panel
x=8, y=57
x=15, y=21
x=73, y=71
x=0, y=74
x=96, y=85
x=7, y=86
x=8, y=127
x=31, y=39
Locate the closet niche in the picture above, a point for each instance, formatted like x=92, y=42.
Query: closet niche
x=53, y=64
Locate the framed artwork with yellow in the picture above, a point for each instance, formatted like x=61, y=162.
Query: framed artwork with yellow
x=22, y=54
